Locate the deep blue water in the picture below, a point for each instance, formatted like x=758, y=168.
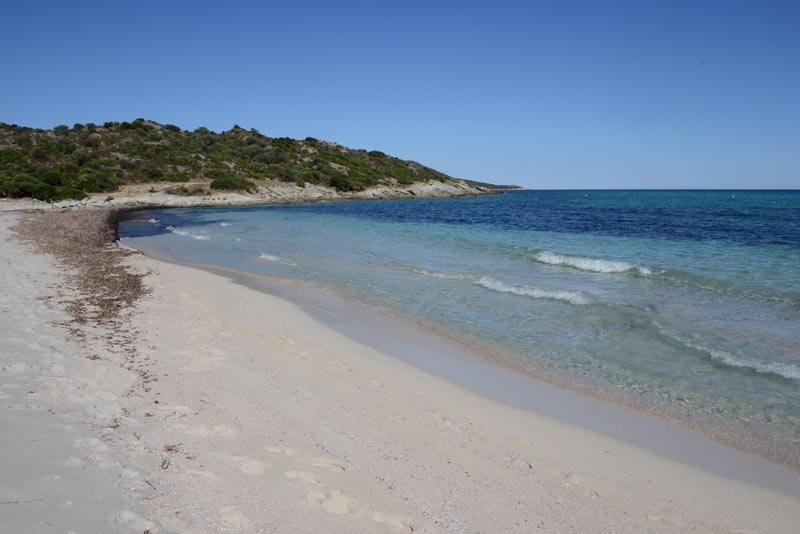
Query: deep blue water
x=686, y=302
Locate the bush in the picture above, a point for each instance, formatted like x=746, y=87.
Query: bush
x=24, y=185
x=180, y=191
x=67, y=192
x=232, y=183
x=174, y=177
x=94, y=181
x=341, y=183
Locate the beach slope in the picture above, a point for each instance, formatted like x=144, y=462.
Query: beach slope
x=197, y=404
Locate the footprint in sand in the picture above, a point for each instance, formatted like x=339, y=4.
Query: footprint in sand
x=518, y=463
x=571, y=479
x=327, y=463
x=393, y=522
x=302, y=476
x=444, y=420
x=133, y=520
x=281, y=450
x=334, y=501
x=250, y=466
x=339, y=364
x=231, y=517
x=90, y=444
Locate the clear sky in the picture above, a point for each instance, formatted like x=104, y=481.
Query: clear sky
x=565, y=94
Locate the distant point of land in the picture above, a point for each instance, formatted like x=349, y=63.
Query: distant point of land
x=488, y=185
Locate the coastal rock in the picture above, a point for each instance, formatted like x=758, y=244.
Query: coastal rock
x=269, y=192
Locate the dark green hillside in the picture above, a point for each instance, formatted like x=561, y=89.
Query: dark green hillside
x=69, y=162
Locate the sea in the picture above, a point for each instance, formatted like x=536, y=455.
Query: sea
x=683, y=304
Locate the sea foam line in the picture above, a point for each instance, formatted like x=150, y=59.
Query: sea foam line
x=593, y=265
x=572, y=297
x=177, y=231
x=276, y=259
x=445, y=276
x=786, y=370
x=269, y=257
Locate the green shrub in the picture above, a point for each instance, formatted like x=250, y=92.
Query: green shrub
x=24, y=185
x=340, y=182
x=174, y=177
x=94, y=181
x=67, y=192
x=232, y=183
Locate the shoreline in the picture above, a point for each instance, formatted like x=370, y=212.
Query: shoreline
x=251, y=415
x=469, y=367
x=773, y=448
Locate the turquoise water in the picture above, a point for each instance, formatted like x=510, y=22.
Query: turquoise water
x=683, y=303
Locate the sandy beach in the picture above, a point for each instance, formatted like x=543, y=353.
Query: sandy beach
x=142, y=396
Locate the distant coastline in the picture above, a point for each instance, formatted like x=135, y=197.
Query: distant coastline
x=161, y=164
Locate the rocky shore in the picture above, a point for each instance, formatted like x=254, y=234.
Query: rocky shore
x=268, y=192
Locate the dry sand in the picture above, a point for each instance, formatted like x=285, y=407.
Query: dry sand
x=206, y=406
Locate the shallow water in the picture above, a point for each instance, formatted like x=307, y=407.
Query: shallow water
x=684, y=303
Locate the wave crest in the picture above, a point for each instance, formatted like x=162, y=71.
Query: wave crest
x=573, y=297
x=177, y=231
x=593, y=265
x=786, y=370
x=269, y=257
x=435, y=274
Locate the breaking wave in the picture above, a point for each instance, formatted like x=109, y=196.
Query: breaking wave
x=786, y=370
x=177, y=231
x=435, y=274
x=573, y=297
x=269, y=257
x=593, y=265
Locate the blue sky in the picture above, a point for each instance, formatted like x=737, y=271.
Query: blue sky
x=544, y=94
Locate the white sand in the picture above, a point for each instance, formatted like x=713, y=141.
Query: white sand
x=268, y=421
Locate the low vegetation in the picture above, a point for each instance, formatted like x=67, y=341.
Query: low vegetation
x=69, y=162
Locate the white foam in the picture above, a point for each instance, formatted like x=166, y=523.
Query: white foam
x=152, y=220
x=594, y=265
x=224, y=224
x=269, y=257
x=786, y=370
x=573, y=297
x=435, y=274
x=178, y=231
